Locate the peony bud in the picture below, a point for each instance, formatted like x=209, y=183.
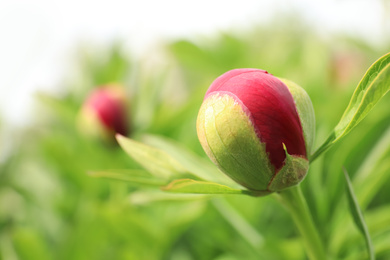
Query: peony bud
x=257, y=129
x=104, y=112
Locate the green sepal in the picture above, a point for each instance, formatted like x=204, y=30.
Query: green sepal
x=291, y=174
x=305, y=111
x=229, y=138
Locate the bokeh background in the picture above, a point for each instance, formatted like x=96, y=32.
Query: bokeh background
x=165, y=54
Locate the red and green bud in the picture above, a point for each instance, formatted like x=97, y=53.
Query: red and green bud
x=104, y=113
x=257, y=129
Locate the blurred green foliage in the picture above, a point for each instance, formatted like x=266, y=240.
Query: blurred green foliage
x=50, y=208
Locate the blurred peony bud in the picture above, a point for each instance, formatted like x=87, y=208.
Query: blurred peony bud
x=104, y=113
x=257, y=129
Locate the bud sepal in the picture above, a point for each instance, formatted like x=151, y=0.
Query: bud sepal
x=292, y=173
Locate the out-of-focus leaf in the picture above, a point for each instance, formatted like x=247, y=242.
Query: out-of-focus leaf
x=372, y=87
x=156, y=161
x=246, y=230
x=377, y=221
x=201, y=187
x=104, y=65
x=358, y=216
x=382, y=248
x=29, y=244
x=58, y=107
x=143, y=197
x=374, y=172
x=133, y=176
x=201, y=168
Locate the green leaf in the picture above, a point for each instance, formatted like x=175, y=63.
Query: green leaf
x=373, y=173
x=202, y=168
x=143, y=197
x=243, y=227
x=61, y=108
x=201, y=187
x=358, y=216
x=139, y=177
x=372, y=87
x=29, y=244
x=155, y=161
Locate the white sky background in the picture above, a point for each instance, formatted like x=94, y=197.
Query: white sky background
x=37, y=36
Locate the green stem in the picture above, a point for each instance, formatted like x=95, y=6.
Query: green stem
x=295, y=202
x=325, y=146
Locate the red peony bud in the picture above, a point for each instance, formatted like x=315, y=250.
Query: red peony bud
x=257, y=128
x=105, y=112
